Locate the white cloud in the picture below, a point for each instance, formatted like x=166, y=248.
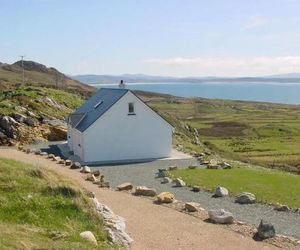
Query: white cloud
x=227, y=66
x=255, y=21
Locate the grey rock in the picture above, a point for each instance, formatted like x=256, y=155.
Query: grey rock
x=191, y=206
x=172, y=168
x=19, y=117
x=28, y=121
x=86, y=170
x=166, y=180
x=125, y=186
x=75, y=165
x=220, y=192
x=162, y=174
x=179, y=183
x=145, y=191
x=245, y=198
x=220, y=216
x=68, y=162
x=265, y=230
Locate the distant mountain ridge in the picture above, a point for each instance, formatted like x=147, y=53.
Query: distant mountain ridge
x=134, y=78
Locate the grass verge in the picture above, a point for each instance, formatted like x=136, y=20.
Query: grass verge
x=269, y=186
x=40, y=211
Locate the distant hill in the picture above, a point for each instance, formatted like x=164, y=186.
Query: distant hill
x=133, y=78
x=37, y=74
x=289, y=75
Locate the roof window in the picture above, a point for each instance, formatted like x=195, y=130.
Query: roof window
x=98, y=104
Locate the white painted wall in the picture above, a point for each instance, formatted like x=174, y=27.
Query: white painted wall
x=78, y=141
x=117, y=136
x=70, y=137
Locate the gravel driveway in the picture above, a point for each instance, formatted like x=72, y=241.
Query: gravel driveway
x=286, y=223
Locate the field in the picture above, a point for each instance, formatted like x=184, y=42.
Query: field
x=260, y=133
x=38, y=209
x=270, y=186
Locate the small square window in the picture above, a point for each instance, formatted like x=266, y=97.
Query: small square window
x=131, y=108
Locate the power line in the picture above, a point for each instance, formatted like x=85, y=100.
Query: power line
x=23, y=76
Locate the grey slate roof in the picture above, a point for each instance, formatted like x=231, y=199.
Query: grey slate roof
x=89, y=114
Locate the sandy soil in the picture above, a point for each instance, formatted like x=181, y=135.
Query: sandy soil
x=151, y=226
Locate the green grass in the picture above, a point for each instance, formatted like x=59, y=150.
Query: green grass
x=260, y=133
x=269, y=186
x=36, y=206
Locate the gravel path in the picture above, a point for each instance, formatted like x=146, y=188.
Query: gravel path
x=286, y=223
x=151, y=226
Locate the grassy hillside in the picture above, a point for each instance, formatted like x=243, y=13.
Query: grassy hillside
x=261, y=133
x=37, y=74
x=38, y=210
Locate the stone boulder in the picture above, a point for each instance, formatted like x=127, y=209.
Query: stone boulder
x=162, y=173
x=166, y=180
x=51, y=156
x=165, y=197
x=91, y=178
x=104, y=184
x=281, y=208
x=192, y=167
x=265, y=230
x=245, y=198
x=86, y=170
x=196, y=189
x=172, y=168
x=68, y=162
x=44, y=154
x=19, y=117
x=220, y=216
x=8, y=124
x=191, y=206
x=28, y=121
x=88, y=235
x=145, y=191
x=75, y=165
x=96, y=172
x=179, y=183
x=125, y=186
x=220, y=192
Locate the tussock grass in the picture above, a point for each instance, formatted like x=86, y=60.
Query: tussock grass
x=38, y=210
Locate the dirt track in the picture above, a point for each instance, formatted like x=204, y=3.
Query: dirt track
x=151, y=226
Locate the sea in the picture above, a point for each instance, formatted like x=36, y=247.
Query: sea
x=286, y=93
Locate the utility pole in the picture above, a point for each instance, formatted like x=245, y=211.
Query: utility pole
x=23, y=76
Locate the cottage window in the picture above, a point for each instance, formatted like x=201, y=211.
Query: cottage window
x=131, y=108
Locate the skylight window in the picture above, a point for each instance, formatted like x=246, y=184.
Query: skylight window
x=98, y=104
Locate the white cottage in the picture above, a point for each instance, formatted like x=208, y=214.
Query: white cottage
x=115, y=125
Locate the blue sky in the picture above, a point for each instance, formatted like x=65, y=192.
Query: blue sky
x=158, y=37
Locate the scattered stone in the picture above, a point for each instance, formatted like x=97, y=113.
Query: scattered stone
x=51, y=156
x=281, y=208
x=220, y=216
x=75, y=165
x=91, y=194
x=125, y=186
x=86, y=170
x=62, y=161
x=162, y=174
x=226, y=165
x=96, y=172
x=191, y=206
x=145, y=191
x=91, y=177
x=37, y=152
x=68, y=162
x=44, y=154
x=104, y=184
x=245, y=198
x=220, y=192
x=28, y=151
x=88, y=235
x=172, y=168
x=192, y=167
x=196, y=189
x=160, y=170
x=212, y=166
x=179, y=183
x=265, y=230
x=20, y=148
x=166, y=180
x=57, y=158
x=165, y=197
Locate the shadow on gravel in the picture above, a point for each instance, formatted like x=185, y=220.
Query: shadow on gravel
x=53, y=149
